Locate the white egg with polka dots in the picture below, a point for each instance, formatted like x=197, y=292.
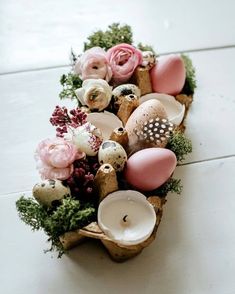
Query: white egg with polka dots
x=144, y=120
x=155, y=132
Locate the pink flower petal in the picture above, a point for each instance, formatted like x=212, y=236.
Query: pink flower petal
x=93, y=64
x=123, y=59
x=56, y=173
x=55, y=157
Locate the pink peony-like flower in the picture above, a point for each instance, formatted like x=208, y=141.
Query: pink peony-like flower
x=123, y=59
x=55, y=158
x=93, y=64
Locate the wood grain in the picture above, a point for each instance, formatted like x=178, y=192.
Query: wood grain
x=193, y=251
x=41, y=33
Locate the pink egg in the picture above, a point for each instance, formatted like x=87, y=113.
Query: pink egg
x=149, y=168
x=168, y=75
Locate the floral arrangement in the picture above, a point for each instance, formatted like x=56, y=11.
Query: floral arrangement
x=107, y=172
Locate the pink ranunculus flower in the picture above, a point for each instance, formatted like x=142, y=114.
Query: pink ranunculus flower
x=55, y=158
x=93, y=64
x=123, y=59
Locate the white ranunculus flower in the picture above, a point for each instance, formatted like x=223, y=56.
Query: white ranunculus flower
x=95, y=93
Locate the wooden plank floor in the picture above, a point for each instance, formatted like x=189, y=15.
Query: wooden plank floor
x=35, y=34
x=194, y=249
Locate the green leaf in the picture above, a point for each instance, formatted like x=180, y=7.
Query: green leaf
x=70, y=83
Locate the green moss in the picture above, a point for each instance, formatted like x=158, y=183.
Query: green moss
x=145, y=47
x=172, y=185
x=190, y=82
x=115, y=34
x=70, y=83
x=180, y=145
x=70, y=215
x=31, y=212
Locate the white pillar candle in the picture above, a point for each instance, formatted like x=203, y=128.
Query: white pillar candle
x=126, y=217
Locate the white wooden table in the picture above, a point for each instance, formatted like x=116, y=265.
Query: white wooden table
x=194, y=249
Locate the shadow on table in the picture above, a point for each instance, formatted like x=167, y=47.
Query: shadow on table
x=155, y=270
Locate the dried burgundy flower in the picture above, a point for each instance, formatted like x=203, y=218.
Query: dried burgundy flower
x=63, y=120
x=81, y=181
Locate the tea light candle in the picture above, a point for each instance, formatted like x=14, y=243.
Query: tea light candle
x=126, y=217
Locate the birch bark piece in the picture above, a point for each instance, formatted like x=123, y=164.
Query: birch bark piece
x=106, y=180
x=187, y=101
x=120, y=136
x=71, y=239
x=141, y=78
x=128, y=105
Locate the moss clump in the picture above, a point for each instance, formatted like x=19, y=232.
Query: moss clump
x=70, y=215
x=115, y=34
x=180, y=145
x=145, y=47
x=31, y=212
x=70, y=83
x=190, y=82
x=172, y=185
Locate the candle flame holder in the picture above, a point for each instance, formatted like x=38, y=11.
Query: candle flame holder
x=117, y=252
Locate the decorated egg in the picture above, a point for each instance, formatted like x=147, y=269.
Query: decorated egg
x=149, y=168
x=113, y=153
x=148, y=110
x=168, y=75
x=87, y=138
x=174, y=109
x=155, y=133
x=48, y=192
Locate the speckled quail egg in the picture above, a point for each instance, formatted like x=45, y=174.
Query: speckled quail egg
x=113, y=153
x=48, y=192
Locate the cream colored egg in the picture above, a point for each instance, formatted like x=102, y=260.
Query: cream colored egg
x=148, y=110
x=113, y=153
x=50, y=191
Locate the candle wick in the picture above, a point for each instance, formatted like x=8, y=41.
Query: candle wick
x=124, y=218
